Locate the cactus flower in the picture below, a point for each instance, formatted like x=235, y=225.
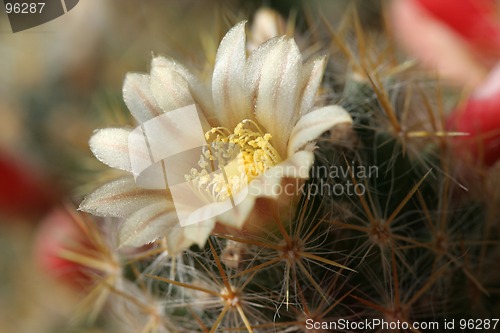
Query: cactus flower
x=262, y=103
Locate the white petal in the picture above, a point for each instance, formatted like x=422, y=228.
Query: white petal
x=201, y=94
x=228, y=79
x=276, y=107
x=177, y=241
x=139, y=98
x=181, y=238
x=253, y=69
x=313, y=124
x=160, y=220
x=119, y=198
x=148, y=224
x=312, y=75
x=267, y=24
x=236, y=217
x=170, y=89
x=297, y=165
x=110, y=146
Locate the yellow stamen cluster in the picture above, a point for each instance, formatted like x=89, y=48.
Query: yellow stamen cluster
x=231, y=160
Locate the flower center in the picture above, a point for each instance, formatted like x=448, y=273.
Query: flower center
x=232, y=159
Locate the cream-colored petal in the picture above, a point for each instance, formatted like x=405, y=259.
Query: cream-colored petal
x=148, y=224
x=170, y=89
x=110, y=146
x=160, y=220
x=119, y=198
x=237, y=216
x=270, y=184
x=313, y=124
x=201, y=94
x=297, y=165
x=253, y=69
x=177, y=241
x=228, y=91
x=192, y=234
x=312, y=74
x=139, y=98
x=267, y=24
x=276, y=107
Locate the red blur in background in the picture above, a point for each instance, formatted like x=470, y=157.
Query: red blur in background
x=476, y=21
x=25, y=192
x=59, y=232
x=460, y=39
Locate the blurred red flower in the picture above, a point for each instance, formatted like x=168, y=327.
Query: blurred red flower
x=24, y=192
x=476, y=21
x=59, y=232
x=460, y=39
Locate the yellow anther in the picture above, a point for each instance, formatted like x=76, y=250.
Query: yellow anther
x=254, y=149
